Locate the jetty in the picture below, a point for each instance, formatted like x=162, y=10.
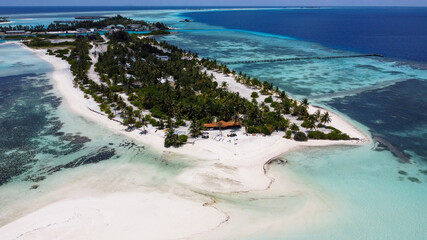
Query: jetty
x=399, y=154
x=303, y=58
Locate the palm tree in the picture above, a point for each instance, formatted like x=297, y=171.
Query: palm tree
x=220, y=126
x=138, y=114
x=311, y=124
x=325, y=118
x=283, y=96
x=317, y=115
x=195, y=128
x=224, y=85
x=305, y=102
x=236, y=118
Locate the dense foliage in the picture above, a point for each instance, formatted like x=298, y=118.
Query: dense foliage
x=334, y=135
x=140, y=74
x=300, y=136
x=177, y=88
x=73, y=25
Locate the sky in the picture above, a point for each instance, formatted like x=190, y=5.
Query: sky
x=213, y=3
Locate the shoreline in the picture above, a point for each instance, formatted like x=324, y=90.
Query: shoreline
x=216, y=155
x=225, y=169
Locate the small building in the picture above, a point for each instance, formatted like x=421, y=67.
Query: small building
x=135, y=26
x=163, y=58
x=16, y=33
x=187, y=58
x=165, y=80
x=137, y=84
x=81, y=30
x=110, y=27
x=179, y=133
x=162, y=80
x=222, y=124
x=119, y=26
x=144, y=28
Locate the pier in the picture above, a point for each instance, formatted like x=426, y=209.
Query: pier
x=303, y=58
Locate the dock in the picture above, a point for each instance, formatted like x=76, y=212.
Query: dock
x=303, y=58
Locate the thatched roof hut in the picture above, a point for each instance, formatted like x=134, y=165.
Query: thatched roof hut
x=222, y=124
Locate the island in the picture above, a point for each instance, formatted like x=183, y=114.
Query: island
x=175, y=101
x=84, y=25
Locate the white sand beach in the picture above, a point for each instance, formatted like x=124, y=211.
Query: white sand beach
x=130, y=215
x=230, y=165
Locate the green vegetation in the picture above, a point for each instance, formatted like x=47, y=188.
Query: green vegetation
x=254, y=95
x=173, y=139
x=73, y=25
x=334, y=135
x=43, y=43
x=288, y=134
x=300, y=136
x=144, y=74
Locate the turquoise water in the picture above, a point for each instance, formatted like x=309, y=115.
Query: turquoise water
x=368, y=197
x=44, y=145
x=365, y=195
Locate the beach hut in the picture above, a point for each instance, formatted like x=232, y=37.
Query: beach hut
x=222, y=124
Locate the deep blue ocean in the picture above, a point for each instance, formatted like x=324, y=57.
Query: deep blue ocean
x=396, y=113
x=394, y=32
x=67, y=9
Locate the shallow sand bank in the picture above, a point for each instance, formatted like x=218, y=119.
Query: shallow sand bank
x=130, y=215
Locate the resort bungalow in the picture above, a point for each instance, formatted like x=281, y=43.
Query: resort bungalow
x=144, y=28
x=222, y=125
x=165, y=80
x=163, y=58
x=109, y=27
x=135, y=26
x=81, y=30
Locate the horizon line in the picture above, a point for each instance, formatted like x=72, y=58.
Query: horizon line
x=205, y=6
